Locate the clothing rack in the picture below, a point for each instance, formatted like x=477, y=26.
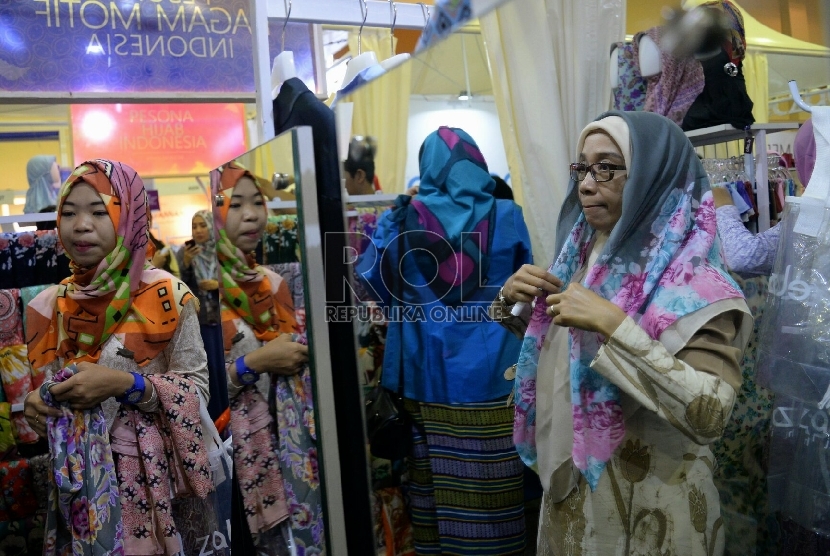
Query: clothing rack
x=758, y=171
x=352, y=201
x=32, y=218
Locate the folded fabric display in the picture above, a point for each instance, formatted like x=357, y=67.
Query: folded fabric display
x=16, y=488
x=22, y=537
x=84, y=511
x=154, y=452
x=6, y=429
x=18, y=380
x=11, y=318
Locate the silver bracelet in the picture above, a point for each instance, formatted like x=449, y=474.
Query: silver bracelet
x=150, y=403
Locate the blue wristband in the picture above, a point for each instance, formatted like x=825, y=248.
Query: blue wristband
x=244, y=373
x=134, y=393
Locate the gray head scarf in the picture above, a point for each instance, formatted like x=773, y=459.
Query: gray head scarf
x=653, y=175
x=42, y=192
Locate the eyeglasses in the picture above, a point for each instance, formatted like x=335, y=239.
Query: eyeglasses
x=600, y=171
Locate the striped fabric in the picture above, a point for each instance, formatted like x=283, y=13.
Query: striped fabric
x=466, y=480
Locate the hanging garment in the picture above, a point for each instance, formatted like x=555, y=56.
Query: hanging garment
x=724, y=99
x=6, y=275
x=671, y=92
x=630, y=92
x=295, y=106
x=16, y=487
x=84, y=511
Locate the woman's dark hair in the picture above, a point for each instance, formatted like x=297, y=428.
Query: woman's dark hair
x=48, y=224
x=502, y=190
x=361, y=157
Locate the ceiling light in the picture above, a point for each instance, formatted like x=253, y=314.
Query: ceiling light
x=463, y=95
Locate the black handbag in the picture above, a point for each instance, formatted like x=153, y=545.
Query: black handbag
x=388, y=426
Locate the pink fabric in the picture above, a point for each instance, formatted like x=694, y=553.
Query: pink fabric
x=671, y=92
x=804, y=149
x=155, y=450
x=255, y=458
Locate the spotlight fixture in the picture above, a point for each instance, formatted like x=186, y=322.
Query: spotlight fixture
x=463, y=95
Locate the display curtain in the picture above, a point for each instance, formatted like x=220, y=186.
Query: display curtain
x=381, y=110
x=756, y=75
x=549, y=63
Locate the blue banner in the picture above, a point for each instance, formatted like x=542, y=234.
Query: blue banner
x=137, y=46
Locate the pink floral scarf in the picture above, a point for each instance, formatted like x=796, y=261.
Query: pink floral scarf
x=662, y=261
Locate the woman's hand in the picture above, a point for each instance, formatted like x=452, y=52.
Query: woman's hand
x=190, y=252
x=280, y=356
x=579, y=307
x=529, y=282
x=91, y=385
x=208, y=285
x=160, y=258
x=35, y=410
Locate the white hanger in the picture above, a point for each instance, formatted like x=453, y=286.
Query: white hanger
x=283, y=68
x=796, y=94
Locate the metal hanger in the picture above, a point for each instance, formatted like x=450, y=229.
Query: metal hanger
x=364, y=11
x=285, y=24
x=393, y=9
x=796, y=94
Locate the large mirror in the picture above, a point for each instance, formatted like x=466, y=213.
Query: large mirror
x=278, y=502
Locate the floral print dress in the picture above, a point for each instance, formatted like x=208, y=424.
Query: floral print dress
x=656, y=495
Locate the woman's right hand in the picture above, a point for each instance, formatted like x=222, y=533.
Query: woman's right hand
x=280, y=356
x=35, y=410
x=529, y=282
x=190, y=252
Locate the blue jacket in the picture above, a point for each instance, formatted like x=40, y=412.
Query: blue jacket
x=450, y=355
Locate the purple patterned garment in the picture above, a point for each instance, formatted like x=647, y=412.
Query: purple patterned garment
x=84, y=511
x=671, y=92
x=745, y=252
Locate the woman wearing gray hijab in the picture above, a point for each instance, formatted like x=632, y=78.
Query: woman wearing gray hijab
x=630, y=360
x=44, y=181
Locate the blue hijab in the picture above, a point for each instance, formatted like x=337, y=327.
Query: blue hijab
x=451, y=220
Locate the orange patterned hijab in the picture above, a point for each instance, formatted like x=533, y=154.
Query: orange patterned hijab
x=140, y=306
x=249, y=291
